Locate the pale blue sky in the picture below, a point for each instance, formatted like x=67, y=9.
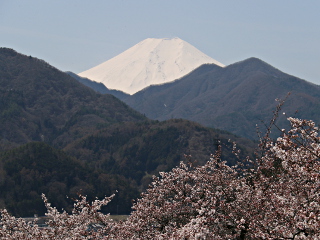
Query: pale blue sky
x=75, y=35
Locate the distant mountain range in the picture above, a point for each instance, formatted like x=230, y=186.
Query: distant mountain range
x=60, y=138
x=151, y=61
x=235, y=98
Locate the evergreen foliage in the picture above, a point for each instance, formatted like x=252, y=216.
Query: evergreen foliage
x=36, y=168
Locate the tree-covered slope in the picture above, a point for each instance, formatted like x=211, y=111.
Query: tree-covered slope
x=234, y=98
x=36, y=168
x=41, y=103
x=140, y=150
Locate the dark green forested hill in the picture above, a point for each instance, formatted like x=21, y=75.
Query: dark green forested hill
x=140, y=150
x=36, y=168
x=40, y=103
x=119, y=159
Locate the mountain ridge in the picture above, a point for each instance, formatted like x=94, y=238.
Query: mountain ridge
x=245, y=91
x=98, y=87
x=41, y=103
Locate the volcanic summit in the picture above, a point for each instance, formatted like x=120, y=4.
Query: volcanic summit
x=150, y=62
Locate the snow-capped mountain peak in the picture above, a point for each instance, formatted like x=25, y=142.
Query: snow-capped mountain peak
x=151, y=61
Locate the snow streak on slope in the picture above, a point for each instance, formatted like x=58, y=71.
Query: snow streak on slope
x=152, y=61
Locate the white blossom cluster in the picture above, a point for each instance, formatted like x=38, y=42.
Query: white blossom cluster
x=275, y=196
x=85, y=222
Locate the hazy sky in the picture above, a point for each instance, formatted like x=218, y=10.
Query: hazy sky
x=75, y=35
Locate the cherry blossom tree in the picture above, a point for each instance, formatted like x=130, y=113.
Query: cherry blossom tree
x=274, y=197
x=85, y=222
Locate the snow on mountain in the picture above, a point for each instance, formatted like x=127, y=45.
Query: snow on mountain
x=151, y=61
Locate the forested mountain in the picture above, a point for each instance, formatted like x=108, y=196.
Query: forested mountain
x=119, y=159
x=41, y=103
x=140, y=150
x=36, y=168
x=234, y=98
x=61, y=138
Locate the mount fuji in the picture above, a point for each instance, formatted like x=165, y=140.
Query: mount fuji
x=150, y=62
